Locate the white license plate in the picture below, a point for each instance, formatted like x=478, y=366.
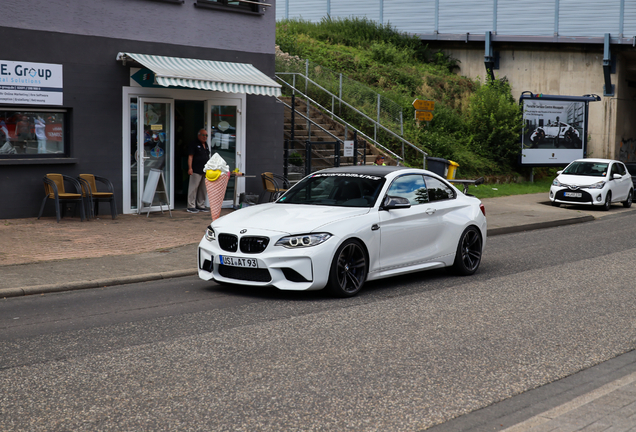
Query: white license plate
x=238, y=262
x=573, y=194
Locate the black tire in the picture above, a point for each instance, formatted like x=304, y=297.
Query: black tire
x=628, y=202
x=608, y=201
x=555, y=204
x=348, y=270
x=468, y=255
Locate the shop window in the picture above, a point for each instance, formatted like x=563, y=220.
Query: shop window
x=29, y=133
x=253, y=6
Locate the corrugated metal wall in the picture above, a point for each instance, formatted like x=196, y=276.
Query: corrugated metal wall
x=410, y=16
x=569, y=18
x=525, y=17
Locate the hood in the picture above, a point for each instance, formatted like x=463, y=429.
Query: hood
x=286, y=218
x=579, y=180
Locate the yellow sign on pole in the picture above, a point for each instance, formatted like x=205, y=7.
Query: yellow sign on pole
x=423, y=115
x=420, y=104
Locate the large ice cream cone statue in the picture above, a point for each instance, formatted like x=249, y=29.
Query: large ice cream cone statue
x=216, y=192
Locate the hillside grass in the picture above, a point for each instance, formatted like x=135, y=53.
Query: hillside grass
x=476, y=125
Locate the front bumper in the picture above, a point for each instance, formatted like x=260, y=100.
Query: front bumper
x=588, y=196
x=286, y=269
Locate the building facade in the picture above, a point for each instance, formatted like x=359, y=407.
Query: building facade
x=116, y=88
x=549, y=47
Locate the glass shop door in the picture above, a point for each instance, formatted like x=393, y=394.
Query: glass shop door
x=153, y=150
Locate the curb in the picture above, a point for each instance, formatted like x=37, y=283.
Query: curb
x=539, y=225
x=97, y=283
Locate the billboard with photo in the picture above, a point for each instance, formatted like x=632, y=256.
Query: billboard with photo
x=554, y=129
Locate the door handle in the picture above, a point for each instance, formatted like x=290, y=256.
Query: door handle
x=430, y=211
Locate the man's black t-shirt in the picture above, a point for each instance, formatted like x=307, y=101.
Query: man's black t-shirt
x=201, y=155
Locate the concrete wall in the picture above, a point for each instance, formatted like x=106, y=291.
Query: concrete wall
x=146, y=20
x=573, y=71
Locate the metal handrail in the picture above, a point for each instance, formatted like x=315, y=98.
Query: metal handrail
x=313, y=122
x=339, y=99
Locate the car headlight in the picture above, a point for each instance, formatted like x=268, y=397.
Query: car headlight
x=303, y=240
x=598, y=185
x=210, y=235
x=556, y=183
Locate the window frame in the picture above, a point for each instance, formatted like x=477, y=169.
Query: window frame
x=257, y=7
x=35, y=158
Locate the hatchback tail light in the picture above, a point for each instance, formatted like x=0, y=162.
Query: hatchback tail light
x=483, y=209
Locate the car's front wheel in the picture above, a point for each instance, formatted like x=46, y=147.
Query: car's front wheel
x=555, y=204
x=468, y=255
x=628, y=202
x=608, y=201
x=348, y=269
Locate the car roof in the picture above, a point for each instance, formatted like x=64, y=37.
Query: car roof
x=374, y=170
x=596, y=160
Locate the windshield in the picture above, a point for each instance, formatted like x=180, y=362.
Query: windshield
x=592, y=169
x=335, y=189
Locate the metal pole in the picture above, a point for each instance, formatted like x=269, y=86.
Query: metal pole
x=340, y=97
x=286, y=159
x=306, y=75
x=307, y=157
x=401, y=126
x=336, y=156
x=375, y=127
x=355, y=149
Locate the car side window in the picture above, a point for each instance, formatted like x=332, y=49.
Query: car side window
x=438, y=190
x=621, y=169
x=614, y=170
x=411, y=187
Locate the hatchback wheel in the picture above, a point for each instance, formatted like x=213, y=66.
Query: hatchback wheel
x=630, y=197
x=468, y=255
x=608, y=201
x=348, y=270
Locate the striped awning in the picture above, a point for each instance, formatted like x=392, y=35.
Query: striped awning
x=206, y=75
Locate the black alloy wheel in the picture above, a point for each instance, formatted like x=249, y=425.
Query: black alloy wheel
x=608, y=202
x=630, y=197
x=348, y=269
x=468, y=256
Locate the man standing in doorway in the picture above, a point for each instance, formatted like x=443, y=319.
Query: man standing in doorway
x=198, y=156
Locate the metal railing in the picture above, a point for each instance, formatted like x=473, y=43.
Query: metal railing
x=337, y=100
x=308, y=144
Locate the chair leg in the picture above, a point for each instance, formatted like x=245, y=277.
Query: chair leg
x=42, y=206
x=57, y=209
x=113, y=208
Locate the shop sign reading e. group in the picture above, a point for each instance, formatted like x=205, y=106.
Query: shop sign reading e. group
x=30, y=83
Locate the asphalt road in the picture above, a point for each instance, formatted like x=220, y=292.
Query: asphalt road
x=406, y=354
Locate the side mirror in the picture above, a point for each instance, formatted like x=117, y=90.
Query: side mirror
x=393, y=202
x=617, y=176
x=559, y=172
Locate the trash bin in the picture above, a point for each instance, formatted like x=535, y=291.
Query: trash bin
x=452, y=169
x=437, y=165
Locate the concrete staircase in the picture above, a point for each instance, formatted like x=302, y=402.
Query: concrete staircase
x=322, y=155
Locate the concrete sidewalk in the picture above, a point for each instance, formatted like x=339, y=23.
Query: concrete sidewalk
x=39, y=256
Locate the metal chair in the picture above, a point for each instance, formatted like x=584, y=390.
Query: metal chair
x=54, y=189
x=89, y=182
x=272, y=185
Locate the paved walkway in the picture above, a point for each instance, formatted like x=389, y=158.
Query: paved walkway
x=40, y=256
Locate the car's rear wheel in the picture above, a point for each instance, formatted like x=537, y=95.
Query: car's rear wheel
x=348, y=270
x=468, y=255
x=628, y=202
x=608, y=201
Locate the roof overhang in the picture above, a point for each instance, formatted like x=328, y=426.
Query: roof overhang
x=206, y=74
